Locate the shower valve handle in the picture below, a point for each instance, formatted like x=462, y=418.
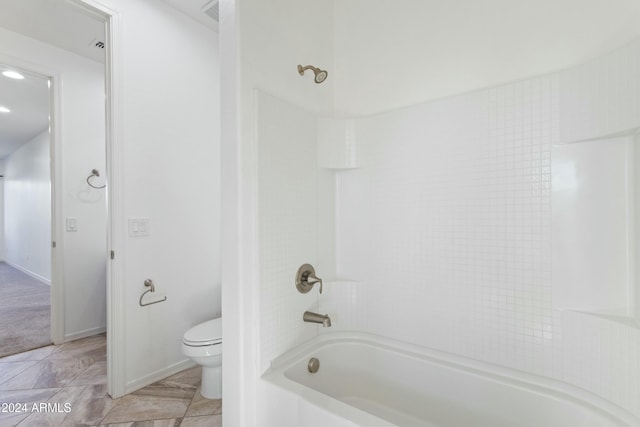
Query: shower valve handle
x=312, y=280
x=306, y=278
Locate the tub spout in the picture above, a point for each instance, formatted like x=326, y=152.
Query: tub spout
x=323, y=319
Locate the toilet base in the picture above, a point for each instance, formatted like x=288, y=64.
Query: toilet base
x=211, y=385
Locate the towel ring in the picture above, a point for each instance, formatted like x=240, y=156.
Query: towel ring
x=94, y=172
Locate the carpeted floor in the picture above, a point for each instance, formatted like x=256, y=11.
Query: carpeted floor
x=25, y=312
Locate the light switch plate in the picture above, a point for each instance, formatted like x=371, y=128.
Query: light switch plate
x=72, y=224
x=138, y=227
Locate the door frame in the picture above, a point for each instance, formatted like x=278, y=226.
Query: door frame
x=115, y=224
x=55, y=176
x=116, y=379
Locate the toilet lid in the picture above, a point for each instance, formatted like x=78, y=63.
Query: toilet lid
x=207, y=333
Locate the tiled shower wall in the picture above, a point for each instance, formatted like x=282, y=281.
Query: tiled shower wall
x=602, y=356
x=288, y=186
x=446, y=225
x=444, y=231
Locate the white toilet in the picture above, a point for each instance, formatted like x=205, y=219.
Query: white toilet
x=203, y=344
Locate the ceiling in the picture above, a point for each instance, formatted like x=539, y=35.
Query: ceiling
x=54, y=22
x=28, y=100
x=196, y=9
x=61, y=24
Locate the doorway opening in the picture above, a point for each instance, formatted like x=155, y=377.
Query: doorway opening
x=45, y=42
x=25, y=205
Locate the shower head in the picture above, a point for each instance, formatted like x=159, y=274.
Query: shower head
x=320, y=75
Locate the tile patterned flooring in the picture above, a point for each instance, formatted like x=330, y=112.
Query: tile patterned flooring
x=69, y=383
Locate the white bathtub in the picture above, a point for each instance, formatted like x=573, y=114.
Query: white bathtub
x=371, y=381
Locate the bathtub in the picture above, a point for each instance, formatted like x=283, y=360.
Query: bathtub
x=369, y=381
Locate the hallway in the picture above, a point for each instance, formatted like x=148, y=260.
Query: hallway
x=25, y=312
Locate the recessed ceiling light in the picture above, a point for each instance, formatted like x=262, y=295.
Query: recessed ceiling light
x=4, y=109
x=13, y=75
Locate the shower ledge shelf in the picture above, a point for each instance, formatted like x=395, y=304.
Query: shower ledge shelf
x=623, y=319
x=341, y=168
x=620, y=134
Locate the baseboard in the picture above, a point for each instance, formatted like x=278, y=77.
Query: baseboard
x=84, y=334
x=30, y=273
x=158, y=375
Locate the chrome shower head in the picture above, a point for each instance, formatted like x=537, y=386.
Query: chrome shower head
x=320, y=75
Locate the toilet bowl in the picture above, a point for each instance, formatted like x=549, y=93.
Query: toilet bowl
x=203, y=344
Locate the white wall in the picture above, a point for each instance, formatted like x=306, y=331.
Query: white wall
x=593, y=221
x=27, y=204
x=82, y=149
x=449, y=214
x=288, y=226
x=448, y=221
x=2, y=251
x=169, y=153
x=450, y=218
x=601, y=97
x=269, y=45
x=389, y=55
